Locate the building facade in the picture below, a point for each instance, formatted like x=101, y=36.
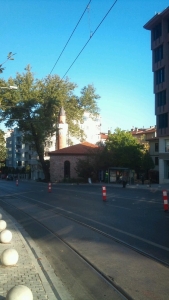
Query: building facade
x=20, y=155
x=63, y=161
x=159, y=27
x=91, y=125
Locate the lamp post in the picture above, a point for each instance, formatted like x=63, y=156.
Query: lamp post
x=11, y=87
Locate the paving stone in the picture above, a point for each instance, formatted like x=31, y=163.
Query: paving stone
x=24, y=272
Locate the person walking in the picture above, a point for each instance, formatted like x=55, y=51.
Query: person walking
x=124, y=180
x=142, y=179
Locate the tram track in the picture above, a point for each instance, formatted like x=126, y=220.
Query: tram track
x=123, y=294
x=111, y=237
x=76, y=220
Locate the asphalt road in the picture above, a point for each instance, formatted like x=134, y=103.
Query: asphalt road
x=135, y=217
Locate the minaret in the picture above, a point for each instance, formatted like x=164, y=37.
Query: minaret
x=62, y=129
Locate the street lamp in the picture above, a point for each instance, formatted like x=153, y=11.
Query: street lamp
x=11, y=87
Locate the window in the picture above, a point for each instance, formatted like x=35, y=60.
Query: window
x=67, y=169
x=157, y=31
x=163, y=121
x=156, y=147
x=158, y=54
x=166, y=145
x=159, y=76
x=161, y=98
x=156, y=161
x=166, y=169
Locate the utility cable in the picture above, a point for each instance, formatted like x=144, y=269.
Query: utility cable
x=90, y=38
x=70, y=37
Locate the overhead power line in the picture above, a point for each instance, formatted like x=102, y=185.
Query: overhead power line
x=90, y=37
x=70, y=37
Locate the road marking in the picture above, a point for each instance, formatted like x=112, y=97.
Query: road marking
x=119, y=206
x=111, y=227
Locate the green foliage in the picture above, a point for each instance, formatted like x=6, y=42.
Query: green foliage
x=121, y=150
x=35, y=106
x=124, y=149
x=9, y=57
x=3, y=152
x=89, y=167
x=147, y=162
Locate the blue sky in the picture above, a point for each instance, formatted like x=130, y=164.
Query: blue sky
x=117, y=60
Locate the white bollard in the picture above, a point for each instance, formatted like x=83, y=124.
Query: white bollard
x=0, y=216
x=19, y=292
x=9, y=257
x=2, y=225
x=5, y=236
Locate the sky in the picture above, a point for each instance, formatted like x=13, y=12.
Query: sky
x=117, y=59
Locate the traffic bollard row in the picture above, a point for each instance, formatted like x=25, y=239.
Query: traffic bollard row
x=9, y=257
x=104, y=193
x=165, y=199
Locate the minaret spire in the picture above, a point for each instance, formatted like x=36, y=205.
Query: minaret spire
x=62, y=129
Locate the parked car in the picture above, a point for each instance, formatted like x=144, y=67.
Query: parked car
x=9, y=177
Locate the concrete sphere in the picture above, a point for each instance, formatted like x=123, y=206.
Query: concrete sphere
x=2, y=225
x=9, y=257
x=19, y=292
x=5, y=236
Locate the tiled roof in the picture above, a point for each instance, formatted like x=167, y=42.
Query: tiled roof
x=104, y=136
x=79, y=149
x=143, y=131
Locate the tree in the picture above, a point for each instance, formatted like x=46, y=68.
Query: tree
x=120, y=150
x=147, y=163
x=125, y=150
x=34, y=108
x=2, y=147
x=9, y=57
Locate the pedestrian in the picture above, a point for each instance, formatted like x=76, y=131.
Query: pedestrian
x=150, y=181
x=124, y=180
x=142, y=179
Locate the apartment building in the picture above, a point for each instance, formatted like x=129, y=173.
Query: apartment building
x=92, y=129
x=159, y=28
x=21, y=154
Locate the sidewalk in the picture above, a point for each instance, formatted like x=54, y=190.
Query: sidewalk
x=32, y=268
x=153, y=186
x=145, y=186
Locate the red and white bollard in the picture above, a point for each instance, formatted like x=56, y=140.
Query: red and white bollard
x=165, y=199
x=104, y=193
x=16, y=182
x=49, y=187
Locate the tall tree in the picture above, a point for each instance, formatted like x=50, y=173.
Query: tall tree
x=2, y=147
x=125, y=150
x=9, y=57
x=34, y=107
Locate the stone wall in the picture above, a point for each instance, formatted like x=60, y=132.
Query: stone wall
x=57, y=166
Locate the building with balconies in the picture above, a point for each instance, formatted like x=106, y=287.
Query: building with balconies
x=159, y=27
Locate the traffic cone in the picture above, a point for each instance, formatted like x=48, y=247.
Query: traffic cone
x=165, y=199
x=104, y=193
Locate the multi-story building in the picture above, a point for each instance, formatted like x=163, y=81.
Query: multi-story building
x=91, y=125
x=144, y=134
x=159, y=27
x=20, y=154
